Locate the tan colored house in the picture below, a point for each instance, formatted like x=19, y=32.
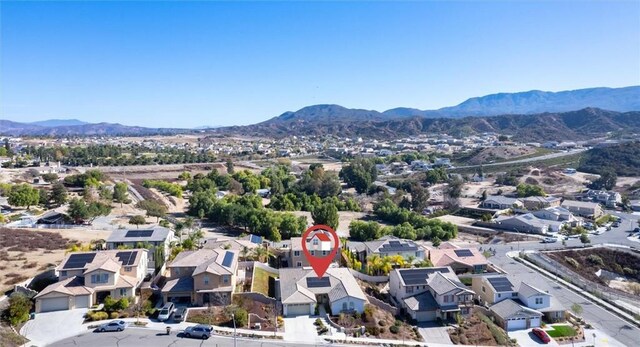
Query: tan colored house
x=88, y=278
x=201, y=277
x=292, y=254
x=461, y=260
x=583, y=208
x=533, y=203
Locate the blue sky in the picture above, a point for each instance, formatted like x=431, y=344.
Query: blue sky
x=185, y=64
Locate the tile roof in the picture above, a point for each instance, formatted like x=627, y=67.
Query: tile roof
x=294, y=287
x=206, y=260
x=509, y=308
x=421, y=302
x=71, y=286
x=105, y=260
x=528, y=290
x=449, y=256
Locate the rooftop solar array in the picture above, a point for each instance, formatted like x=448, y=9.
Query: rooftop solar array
x=315, y=282
x=228, y=259
x=255, y=239
x=501, y=284
x=397, y=246
x=419, y=276
x=139, y=233
x=78, y=261
x=127, y=258
x=463, y=253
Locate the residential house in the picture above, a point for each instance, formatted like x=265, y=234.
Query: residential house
x=500, y=202
x=527, y=223
x=300, y=289
x=494, y=289
x=428, y=294
x=87, y=278
x=557, y=214
x=157, y=240
x=609, y=199
x=461, y=260
x=539, y=202
x=291, y=253
x=387, y=246
x=201, y=277
x=583, y=208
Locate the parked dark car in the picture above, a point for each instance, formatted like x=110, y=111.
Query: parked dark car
x=542, y=335
x=179, y=314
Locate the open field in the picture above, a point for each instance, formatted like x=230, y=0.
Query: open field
x=25, y=253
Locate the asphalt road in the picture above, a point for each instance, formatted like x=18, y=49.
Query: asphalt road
x=141, y=337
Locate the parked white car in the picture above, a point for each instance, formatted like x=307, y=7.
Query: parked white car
x=166, y=311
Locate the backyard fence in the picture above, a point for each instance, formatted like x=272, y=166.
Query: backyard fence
x=382, y=305
x=368, y=278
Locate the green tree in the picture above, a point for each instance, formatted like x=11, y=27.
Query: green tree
x=240, y=316
x=153, y=208
x=120, y=193
x=525, y=190
x=81, y=212
x=364, y=231
x=58, y=194
x=584, y=238
x=607, y=180
x=50, y=177
x=43, y=197
x=230, y=168
x=326, y=214
x=105, y=193
x=23, y=195
x=19, y=307
x=137, y=220
x=576, y=308
x=360, y=174
x=419, y=197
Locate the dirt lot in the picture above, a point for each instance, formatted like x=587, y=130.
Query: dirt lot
x=345, y=218
x=497, y=154
x=473, y=332
x=215, y=315
x=612, y=260
x=25, y=252
x=554, y=181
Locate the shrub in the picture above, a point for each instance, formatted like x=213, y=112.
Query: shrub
x=397, y=323
x=382, y=330
x=629, y=271
x=241, y=317
x=19, y=307
x=595, y=259
x=114, y=315
x=394, y=329
x=124, y=315
x=381, y=323
x=97, y=315
x=373, y=330
x=318, y=322
x=122, y=304
x=367, y=315
x=572, y=262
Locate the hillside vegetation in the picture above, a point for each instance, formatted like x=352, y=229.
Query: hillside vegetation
x=623, y=158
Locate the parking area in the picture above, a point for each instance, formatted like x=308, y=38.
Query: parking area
x=527, y=339
x=54, y=326
x=434, y=333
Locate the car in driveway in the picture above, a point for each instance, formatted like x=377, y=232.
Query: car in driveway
x=549, y=240
x=179, y=314
x=541, y=334
x=166, y=311
x=199, y=331
x=116, y=325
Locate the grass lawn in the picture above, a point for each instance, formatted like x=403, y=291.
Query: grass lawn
x=260, y=282
x=562, y=331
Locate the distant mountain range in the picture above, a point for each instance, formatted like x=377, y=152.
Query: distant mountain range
x=534, y=114
x=560, y=126
x=82, y=129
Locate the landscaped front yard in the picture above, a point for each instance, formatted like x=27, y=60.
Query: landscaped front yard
x=256, y=312
x=378, y=323
x=260, y=282
x=561, y=331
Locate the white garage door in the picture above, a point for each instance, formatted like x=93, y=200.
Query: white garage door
x=426, y=316
x=82, y=301
x=535, y=322
x=54, y=304
x=297, y=309
x=517, y=324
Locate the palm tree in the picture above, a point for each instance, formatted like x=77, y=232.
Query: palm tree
x=386, y=266
x=261, y=253
x=243, y=253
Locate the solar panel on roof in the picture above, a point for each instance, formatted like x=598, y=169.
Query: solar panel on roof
x=315, y=282
x=463, y=253
x=255, y=239
x=228, y=259
x=394, y=243
x=77, y=261
x=127, y=258
x=397, y=246
x=501, y=284
x=419, y=276
x=139, y=233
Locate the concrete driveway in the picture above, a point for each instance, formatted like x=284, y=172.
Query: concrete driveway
x=527, y=339
x=49, y=327
x=300, y=329
x=434, y=333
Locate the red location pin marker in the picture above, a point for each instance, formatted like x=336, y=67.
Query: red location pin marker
x=322, y=239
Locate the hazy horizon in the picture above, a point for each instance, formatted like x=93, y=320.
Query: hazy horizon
x=191, y=64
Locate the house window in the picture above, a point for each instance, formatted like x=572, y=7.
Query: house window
x=100, y=278
x=344, y=306
x=296, y=253
x=448, y=298
x=299, y=264
x=225, y=279
x=514, y=294
x=417, y=254
x=315, y=242
x=538, y=301
x=123, y=291
x=127, y=269
x=324, y=252
x=177, y=270
x=409, y=289
x=63, y=273
x=206, y=280
x=351, y=306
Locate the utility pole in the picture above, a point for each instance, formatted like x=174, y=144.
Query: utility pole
x=233, y=317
